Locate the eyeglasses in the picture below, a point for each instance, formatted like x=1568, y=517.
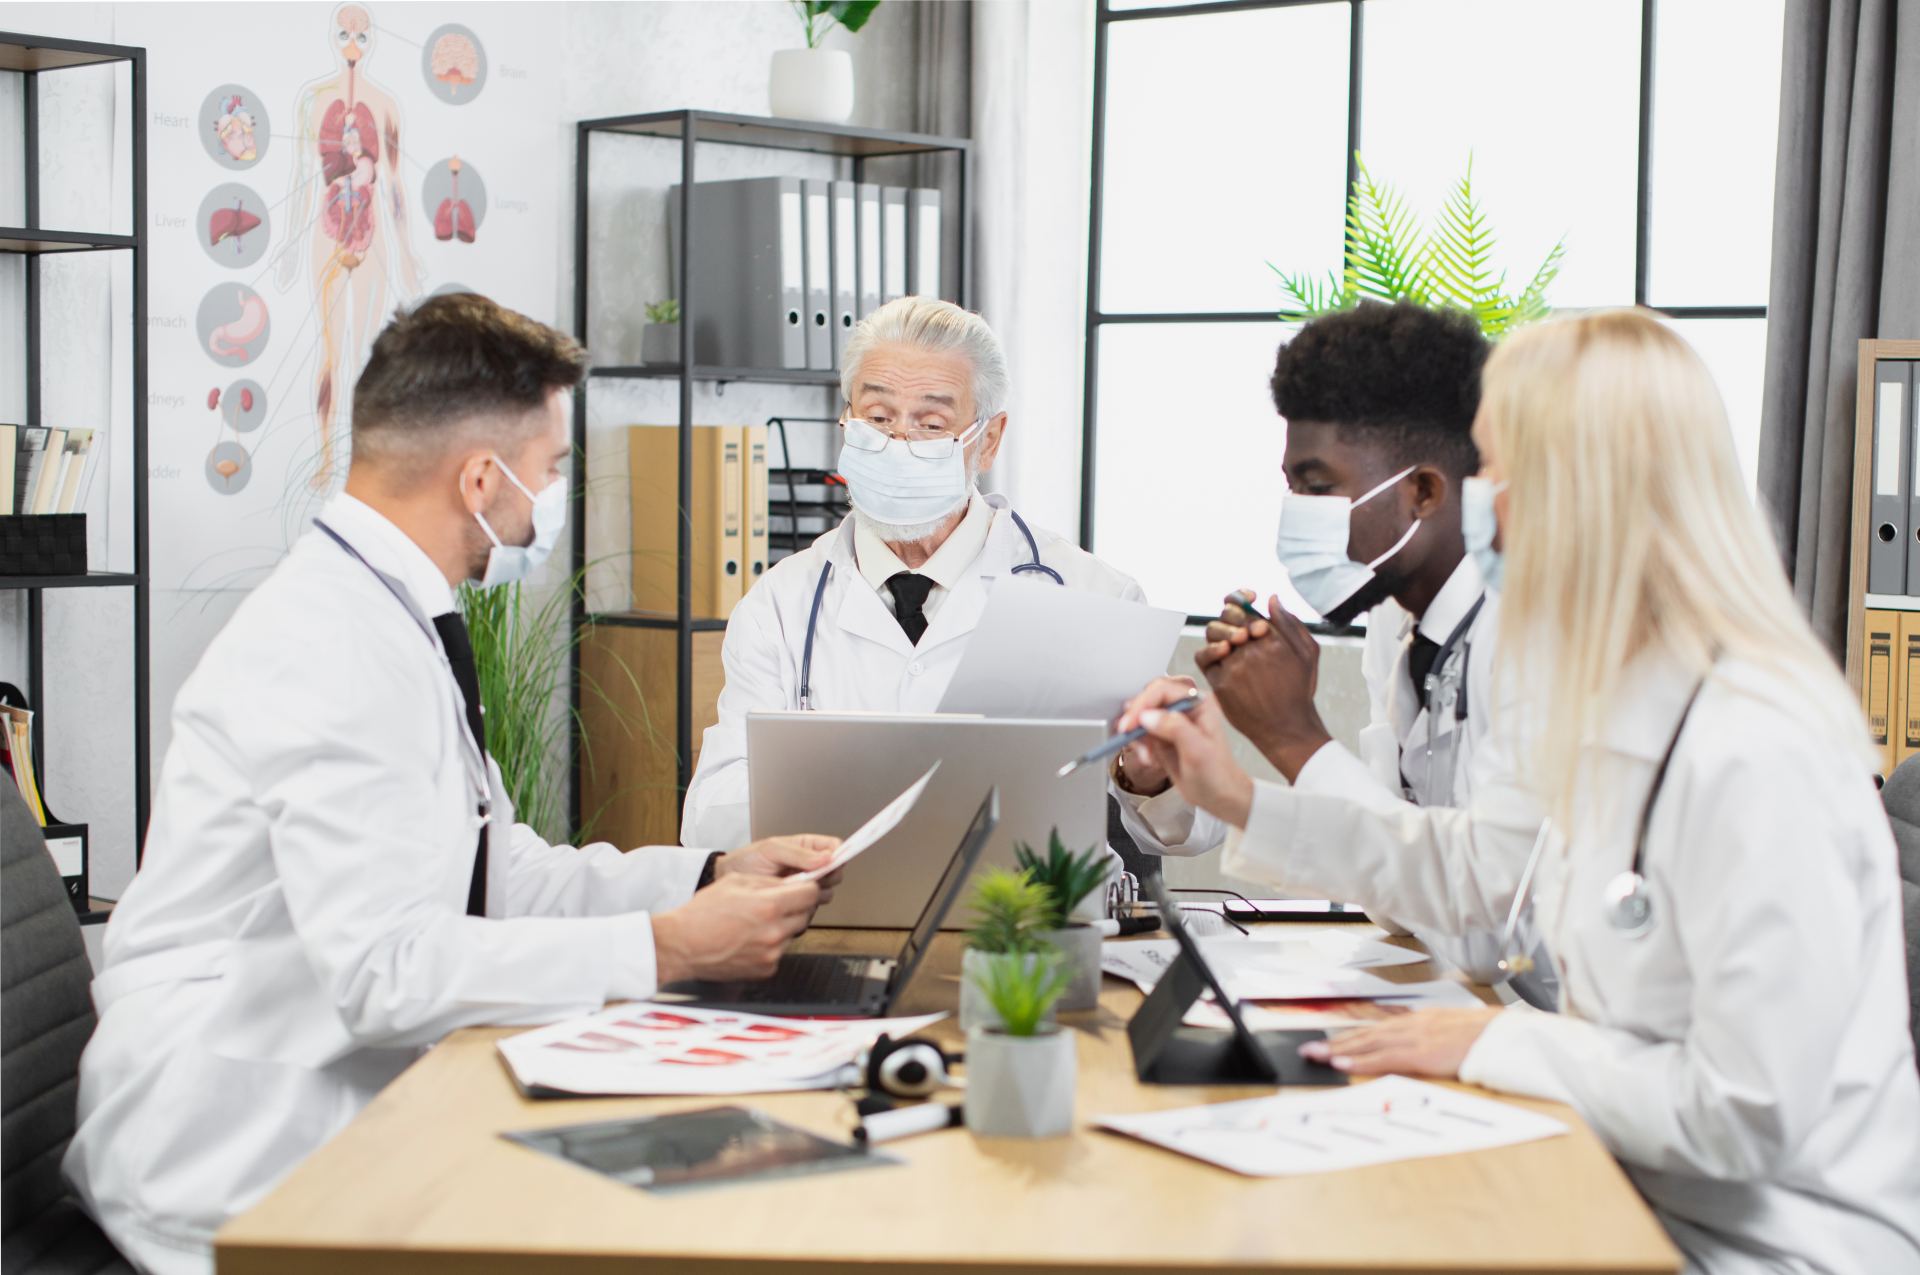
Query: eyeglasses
x=927, y=444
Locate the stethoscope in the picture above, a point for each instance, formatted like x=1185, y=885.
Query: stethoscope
x=474, y=761
x=1446, y=694
x=1032, y=566
x=1626, y=901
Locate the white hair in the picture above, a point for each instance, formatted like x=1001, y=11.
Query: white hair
x=927, y=323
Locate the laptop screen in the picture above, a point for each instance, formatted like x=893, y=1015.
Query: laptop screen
x=947, y=891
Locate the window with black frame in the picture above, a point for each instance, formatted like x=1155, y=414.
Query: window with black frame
x=1638, y=133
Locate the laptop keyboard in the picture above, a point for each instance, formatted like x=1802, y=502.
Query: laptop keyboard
x=811, y=979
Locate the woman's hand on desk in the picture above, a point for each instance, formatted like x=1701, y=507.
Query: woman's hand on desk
x=1427, y=1042
x=1192, y=749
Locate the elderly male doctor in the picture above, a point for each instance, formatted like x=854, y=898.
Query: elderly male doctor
x=890, y=595
x=333, y=878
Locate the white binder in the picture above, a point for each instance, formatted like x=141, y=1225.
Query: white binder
x=893, y=243
x=867, y=277
x=747, y=275
x=1892, y=485
x=846, y=260
x=923, y=242
x=819, y=275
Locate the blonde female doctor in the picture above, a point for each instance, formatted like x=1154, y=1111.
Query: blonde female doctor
x=1714, y=877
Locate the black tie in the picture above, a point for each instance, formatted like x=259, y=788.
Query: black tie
x=453, y=635
x=909, y=602
x=1420, y=657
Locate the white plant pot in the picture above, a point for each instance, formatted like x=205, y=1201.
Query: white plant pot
x=811, y=84
x=1020, y=1086
x=1080, y=947
x=975, y=1009
x=660, y=343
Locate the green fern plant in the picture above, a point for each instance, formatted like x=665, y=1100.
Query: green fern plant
x=1449, y=265
x=667, y=311
x=1022, y=989
x=1011, y=910
x=1066, y=877
x=821, y=16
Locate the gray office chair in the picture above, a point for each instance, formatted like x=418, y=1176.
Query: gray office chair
x=46, y=1015
x=1902, y=799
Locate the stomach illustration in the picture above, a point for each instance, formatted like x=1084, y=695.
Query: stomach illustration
x=230, y=339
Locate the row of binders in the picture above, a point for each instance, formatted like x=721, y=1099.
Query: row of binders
x=783, y=267
x=42, y=469
x=727, y=512
x=67, y=843
x=1890, y=684
x=1893, y=546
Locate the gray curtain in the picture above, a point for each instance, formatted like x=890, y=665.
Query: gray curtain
x=1846, y=266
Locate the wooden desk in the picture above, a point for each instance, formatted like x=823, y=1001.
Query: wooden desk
x=421, y=1182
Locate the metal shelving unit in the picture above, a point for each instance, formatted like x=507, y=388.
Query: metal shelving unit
x=693, y=129
x=32, y=56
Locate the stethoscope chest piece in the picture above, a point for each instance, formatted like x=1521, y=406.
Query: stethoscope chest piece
x=1628, y=905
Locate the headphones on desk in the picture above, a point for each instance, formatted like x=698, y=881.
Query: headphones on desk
x=907, y=1068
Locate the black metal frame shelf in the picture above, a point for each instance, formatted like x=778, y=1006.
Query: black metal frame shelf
x=1106, y=16
x=692, y=129
x=30, y=56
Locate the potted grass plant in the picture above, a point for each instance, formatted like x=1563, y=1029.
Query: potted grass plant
x=1069, y=879
x=1010, y=914
x=1020, y=1073
x=660, y=338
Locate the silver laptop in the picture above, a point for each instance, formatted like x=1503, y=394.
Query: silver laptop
x=827, y=772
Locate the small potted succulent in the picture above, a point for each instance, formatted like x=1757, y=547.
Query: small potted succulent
x=815, y=83
x=660, y=339
x=1010, y=912
x=1069, y=879
x=1020, y=1074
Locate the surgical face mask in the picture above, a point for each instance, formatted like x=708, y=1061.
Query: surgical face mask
x=1313, y=548
x=507, y=563
x=1479, y=526
x=906, y=485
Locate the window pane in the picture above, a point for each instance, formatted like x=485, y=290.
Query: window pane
x=1155, y=4
x=1735, y=351
x=1716, y=107
x=1187, y=478
x=1544, y=96
x=1226, y=139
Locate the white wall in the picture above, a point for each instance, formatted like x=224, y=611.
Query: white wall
x=604, y=59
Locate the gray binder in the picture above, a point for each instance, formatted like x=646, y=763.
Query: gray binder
x=867, y=277
x=923, y=242
x=747, y=274
x=1910, y=430
x=819, y=275
x=846, y=262
x=1892, y=481
x=893, y=243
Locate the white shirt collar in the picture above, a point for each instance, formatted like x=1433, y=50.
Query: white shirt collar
x=878, y=563
x=390, y=549
x=1456, y=597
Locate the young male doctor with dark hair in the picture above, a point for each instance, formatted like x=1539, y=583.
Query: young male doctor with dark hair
x=333, y=879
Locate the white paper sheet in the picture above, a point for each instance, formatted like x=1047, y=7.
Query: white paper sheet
x=1262, y=969
x=1390, y=1119
x=1336, y=1013
x=1044, y=651
x=676, y=1049
x=873, y=829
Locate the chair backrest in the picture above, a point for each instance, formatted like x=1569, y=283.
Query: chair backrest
x=1902, y=799
x=46, y=1016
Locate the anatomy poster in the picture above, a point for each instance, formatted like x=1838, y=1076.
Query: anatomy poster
x=300, y=188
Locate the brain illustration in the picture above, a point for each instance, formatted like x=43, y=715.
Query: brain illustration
x=455, y=59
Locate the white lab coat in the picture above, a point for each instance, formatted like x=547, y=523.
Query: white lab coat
x=1394, y=765
x=297, y=932
x=1749, y=1059
x=862, y=662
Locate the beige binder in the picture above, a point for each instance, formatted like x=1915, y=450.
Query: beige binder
x=714, y=509
x=1880, y=686
x=754, y=439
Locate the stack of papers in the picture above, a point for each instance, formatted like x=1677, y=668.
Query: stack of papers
x=1392, y=1118
x=659, y=1049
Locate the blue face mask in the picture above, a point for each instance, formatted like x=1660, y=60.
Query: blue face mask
x=1478, y=526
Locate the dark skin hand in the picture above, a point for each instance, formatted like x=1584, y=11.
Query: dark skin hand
x=1264, y=674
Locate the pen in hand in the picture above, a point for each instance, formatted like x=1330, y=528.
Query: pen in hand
x=1114, y=743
